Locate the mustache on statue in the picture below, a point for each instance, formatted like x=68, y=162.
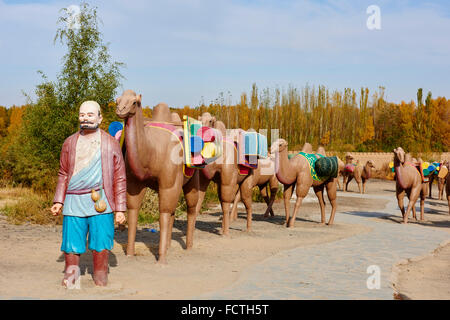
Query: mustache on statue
x=88, y=125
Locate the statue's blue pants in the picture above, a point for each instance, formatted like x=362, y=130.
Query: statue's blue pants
x=99, y=227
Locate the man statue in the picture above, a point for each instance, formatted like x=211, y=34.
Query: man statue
x=92, y=187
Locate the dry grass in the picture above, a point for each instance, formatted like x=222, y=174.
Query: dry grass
x=22, y=205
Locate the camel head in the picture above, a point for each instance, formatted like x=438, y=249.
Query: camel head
x=349, y=158
x=207, y=120
x=371, y=164
x=127, y=104
x=399, y=154
x=278, y=146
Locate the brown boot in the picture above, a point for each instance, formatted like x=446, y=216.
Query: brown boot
x=71, y=269
x=100, y=267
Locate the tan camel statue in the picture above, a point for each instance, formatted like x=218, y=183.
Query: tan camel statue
x=295, y=174
x=264, y=177
x=360, y=174
x=409, y=181
x=153, y=158
x=224, y=171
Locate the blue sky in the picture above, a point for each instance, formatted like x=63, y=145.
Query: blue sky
x=183, y=51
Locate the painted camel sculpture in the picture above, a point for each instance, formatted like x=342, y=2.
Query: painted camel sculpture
x=440, y=183
x=224, y=171
x=295, y=174
x=409, y=181
x=153, y=159
x=361, y=175
x=263, y=177
x=342, y=172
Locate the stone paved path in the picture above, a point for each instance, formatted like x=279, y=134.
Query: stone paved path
x=338, y=270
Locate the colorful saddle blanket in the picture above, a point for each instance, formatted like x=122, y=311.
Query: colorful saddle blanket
x=202, y=145
x=425, y=169
x=350, y=167
x=251, y=146
x=321, y=167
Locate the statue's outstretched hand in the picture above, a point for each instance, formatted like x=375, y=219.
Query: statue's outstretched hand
x=120, y=217
x=56, y=208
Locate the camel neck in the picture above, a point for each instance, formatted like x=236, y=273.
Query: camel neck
x=367, y=171
x=136, y=144
x=283, y=168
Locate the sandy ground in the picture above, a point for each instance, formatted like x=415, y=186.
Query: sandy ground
x=31, y=264
x=425, y=278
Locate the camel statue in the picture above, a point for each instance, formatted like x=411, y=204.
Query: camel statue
x=409, y=181
x=295, y=173
x=153, y=158
x=440, y=183
x=360, y=174
x=346, y=170
x=224, y=171
x=264, y=177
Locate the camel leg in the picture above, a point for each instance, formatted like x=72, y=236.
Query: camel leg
x=168, y=200
x=234, y=210
x=413, y=209
x=400, y=196
x=338, y=183
x=273, y=195
x=423, y=195
x=448, y=198
x=441, y=183
x=269, y=201
x=359, y=186
x=287, y=194
x=192, y=196
x=344, y=183
x=203, y=185
x=298, y=203
x=414, y=195
x=364, y=185
x=265, y=196
x=348, y=181
x=331, y=193
x=319, y=194
x=135, y=195
x=431, y=185
x=247, y=199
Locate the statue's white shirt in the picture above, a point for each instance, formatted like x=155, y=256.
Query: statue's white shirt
x=86, y=149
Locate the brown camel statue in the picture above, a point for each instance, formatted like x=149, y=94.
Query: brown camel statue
x=295, y=174
x=346, y=170
x=224, y=171
x=264, y=177
x=360, y=174
x=153, y=158
x=409, y=181
x=440, y=183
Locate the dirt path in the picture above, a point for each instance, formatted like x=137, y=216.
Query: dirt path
x=32, y=264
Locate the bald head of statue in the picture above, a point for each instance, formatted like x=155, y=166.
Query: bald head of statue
x=89, y=116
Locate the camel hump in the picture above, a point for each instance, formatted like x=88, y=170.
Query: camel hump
x=321, y=150
x=161, y=113
x=175, y=117
x=307, y=148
